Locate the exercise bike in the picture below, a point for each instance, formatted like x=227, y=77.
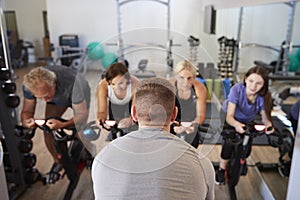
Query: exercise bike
x=205, y=133
x=237, y=165
x=72, y=153
x=92, y=132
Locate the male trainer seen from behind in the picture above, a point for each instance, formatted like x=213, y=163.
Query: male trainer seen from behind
x=152, y=163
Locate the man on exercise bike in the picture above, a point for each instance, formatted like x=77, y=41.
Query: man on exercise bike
x=244, y=102
x=61, y=87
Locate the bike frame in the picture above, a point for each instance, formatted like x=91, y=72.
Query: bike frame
x=238, y=157
x=112, y=127
x=71, y=154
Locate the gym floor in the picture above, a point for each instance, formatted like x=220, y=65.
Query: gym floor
x=248, y=187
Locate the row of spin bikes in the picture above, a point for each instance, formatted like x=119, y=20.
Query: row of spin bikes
x=75, y=157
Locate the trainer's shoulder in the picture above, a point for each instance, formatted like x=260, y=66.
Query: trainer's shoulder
x=200, y=157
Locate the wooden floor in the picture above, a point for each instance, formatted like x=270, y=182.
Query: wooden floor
x=248, y=187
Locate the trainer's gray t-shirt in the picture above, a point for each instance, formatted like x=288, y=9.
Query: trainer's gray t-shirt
x=71, y=87
x=152, y=164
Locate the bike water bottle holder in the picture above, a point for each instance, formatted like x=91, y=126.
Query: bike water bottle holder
x=89, y=131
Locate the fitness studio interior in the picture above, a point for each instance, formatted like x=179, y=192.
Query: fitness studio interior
x=223, y=39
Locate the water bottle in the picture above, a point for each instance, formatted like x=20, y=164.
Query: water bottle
x=90, y=134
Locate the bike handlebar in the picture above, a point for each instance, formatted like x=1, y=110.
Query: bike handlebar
x=112, y=126
x=110, y=123
x=253, y=130
x=60, y=134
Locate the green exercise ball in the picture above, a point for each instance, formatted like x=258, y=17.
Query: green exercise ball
x=109, y=59
x=294, y=63
x=95, y=51
x=298, y=53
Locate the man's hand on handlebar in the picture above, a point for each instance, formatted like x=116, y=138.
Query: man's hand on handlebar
x=54, y=124
x=29, y=123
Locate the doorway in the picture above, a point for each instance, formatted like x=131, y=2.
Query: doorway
x=11, y=27
x=46, y=39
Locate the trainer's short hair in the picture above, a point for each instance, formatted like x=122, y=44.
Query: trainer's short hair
x=154, y=100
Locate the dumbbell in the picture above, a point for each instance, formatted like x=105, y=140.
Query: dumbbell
x=19, y=131
x=9, y=87
x=29, y=160
x=6, y=159
x=4, y=74
x=25, y=145
x=31, y=175
x=12, y=100
x=25, y=133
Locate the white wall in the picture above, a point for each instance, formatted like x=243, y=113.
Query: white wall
x=220, y=4
x=96, y=20
x=266, y=24
x=29, y=19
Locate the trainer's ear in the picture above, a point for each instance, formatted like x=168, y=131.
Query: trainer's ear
x=133, y=113
x=174, y=113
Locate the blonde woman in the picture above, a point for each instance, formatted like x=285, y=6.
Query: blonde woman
x=191, y=98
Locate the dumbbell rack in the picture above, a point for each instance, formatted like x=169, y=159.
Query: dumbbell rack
x=12, y=157
x=226, y=55
x=193, y=51
x=16, y=150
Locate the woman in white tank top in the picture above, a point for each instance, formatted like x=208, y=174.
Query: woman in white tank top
x=114, y=94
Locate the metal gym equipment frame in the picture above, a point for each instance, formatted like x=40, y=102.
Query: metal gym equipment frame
x=8, y=121
x=122, y=47
x=287, y=47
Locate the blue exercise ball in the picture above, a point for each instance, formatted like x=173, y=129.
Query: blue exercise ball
x=90, y=134
x=95, y=51
x=109, y=59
